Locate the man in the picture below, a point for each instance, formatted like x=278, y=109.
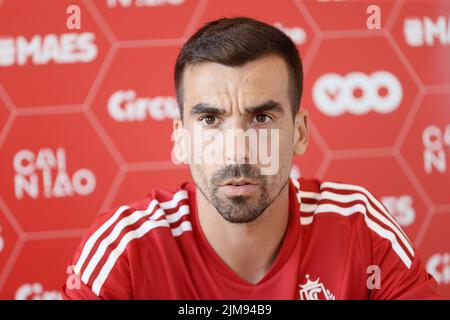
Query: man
x=240, y=232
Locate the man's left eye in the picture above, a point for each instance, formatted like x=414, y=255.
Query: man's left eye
x=262, y=118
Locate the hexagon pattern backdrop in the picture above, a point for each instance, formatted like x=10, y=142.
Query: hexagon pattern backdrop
x=85, y=115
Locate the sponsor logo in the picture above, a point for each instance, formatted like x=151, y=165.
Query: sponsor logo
x=297, y=34
x=438, y=265
x=45, y=173
x=357, y=93
x=35, y=291
x=126, y=106
x=44, y=49
x=419, y=32
x=436, y=144
x=401, y=208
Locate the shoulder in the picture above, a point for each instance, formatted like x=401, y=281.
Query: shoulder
x=341, y=199
x=115, y=232
x=335, y=202
x=164, y=206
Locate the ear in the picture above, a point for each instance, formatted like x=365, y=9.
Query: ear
x=301, y=132
x=177, y=124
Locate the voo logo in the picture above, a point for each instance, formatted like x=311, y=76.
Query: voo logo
x=357, y=93
x=124, y=105
x=46, y=173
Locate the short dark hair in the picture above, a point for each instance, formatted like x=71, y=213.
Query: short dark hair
x=236, y=41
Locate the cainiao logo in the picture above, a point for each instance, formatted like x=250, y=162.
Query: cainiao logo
x=424, y=31
x=297, y=34
x=43, y=49
x=438, y=265
x=142, y=3
x=126, y=106
x=35, y=291
x=401, y=207
x=436, y=143
x=357, y=93
x=45, y=173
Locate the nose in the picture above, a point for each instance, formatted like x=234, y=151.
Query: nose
x=238, y=141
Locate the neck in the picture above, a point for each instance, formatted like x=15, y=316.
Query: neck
x=249, y=249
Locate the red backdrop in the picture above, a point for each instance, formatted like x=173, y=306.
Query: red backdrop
x=85, y=115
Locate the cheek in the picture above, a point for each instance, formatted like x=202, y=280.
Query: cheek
x=196, y=173
x=202, y=174
x=285, y=166
x=284, y=149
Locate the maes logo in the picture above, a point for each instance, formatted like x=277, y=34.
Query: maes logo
x=43, y=49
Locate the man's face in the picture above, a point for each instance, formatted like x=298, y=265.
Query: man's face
x=251, y=98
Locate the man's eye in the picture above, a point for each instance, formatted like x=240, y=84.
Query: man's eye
x=262, y=118
x=208, y=120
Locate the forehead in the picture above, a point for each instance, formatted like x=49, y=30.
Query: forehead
x=264, y=78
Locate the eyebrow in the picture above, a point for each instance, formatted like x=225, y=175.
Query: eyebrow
x=202, y=107
x=265, y=106
x=270, y=105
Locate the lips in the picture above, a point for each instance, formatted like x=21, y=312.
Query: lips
x=238, y=187
x=238, y=182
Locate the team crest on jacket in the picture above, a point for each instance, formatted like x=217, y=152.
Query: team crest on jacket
x=314, y=290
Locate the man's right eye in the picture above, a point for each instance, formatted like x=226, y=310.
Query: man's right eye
x=208, y=120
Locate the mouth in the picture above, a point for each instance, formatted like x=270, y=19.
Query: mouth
x=238, y=182
x=238, y=187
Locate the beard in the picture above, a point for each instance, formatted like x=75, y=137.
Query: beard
x=238, y=209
